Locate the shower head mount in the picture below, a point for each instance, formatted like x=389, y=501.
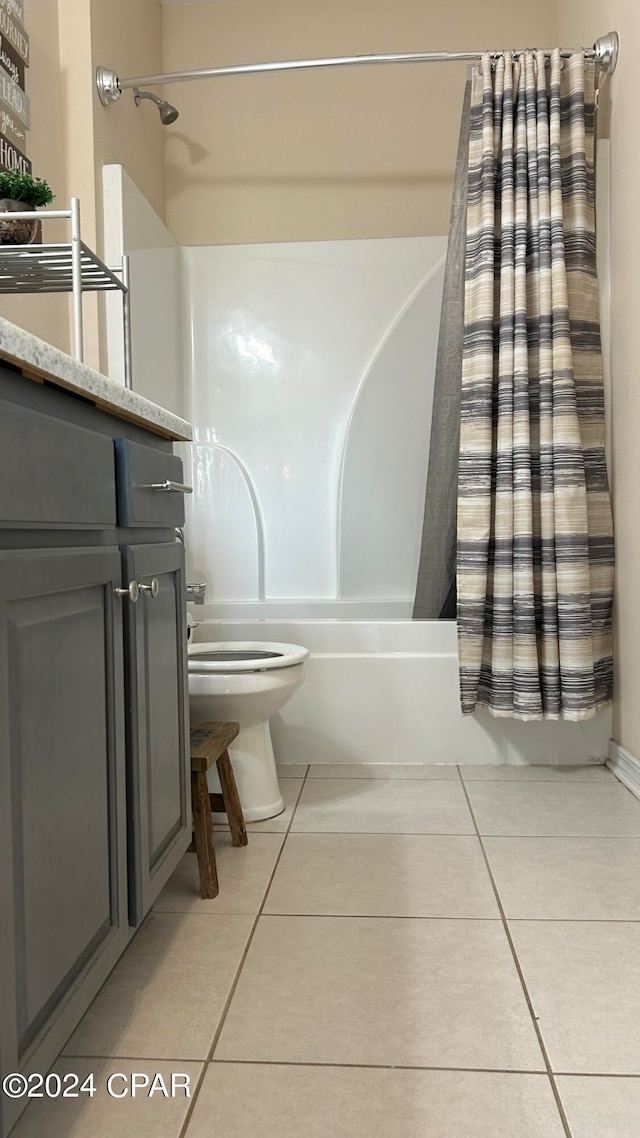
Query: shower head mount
x=168, y=113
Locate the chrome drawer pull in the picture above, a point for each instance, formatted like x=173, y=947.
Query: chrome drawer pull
x=132, y=591
x=153, y=589
x=171, y=487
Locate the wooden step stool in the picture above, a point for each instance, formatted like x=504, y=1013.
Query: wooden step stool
x=209, y=745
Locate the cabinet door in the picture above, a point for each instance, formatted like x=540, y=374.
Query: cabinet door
x=63, y=887
x=157, y=722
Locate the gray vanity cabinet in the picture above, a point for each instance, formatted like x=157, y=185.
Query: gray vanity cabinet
x=94, y=810
x=157, y=719
x=63, y=891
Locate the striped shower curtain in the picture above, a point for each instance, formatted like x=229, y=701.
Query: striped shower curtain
x=534, y=527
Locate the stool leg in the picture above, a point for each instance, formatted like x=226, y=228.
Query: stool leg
x=232, y=803
x=203, y=833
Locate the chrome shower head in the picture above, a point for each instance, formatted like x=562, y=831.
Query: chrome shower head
x=168, y=113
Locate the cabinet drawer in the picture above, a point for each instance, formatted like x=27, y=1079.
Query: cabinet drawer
x=53, y=474
x=139, y=469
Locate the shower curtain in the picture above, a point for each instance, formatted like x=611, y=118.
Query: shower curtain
x=436, y=584
x=534, y=526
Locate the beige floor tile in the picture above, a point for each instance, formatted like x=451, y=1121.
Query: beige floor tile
x=102, y=1116
x=332, y=1102
x=243, y=876
x=167, y=993
x=506, y=772
x=549, y=809
x=380, y=991
x=290, y=788
x=448, y=771
x=584, y=983
x=292, y=770
x=401, y=875
x=600, y=1107
x=580, y=879
x=383, y=806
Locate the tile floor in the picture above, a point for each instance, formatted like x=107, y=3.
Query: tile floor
x=406, y=951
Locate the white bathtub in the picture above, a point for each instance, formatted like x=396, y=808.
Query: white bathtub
x=386, y=690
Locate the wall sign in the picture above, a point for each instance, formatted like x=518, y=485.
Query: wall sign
x=15, y=98
x=11, y=128
x=11, y=158
x=12, y=63
x=15, y=109
x=15, y=8
x=13, y=29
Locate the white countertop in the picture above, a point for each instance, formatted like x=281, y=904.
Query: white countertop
x=39, y=360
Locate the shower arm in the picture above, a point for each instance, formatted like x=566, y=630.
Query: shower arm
x=110, y=86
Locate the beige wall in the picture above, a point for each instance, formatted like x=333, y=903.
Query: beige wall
x=349, y=153
x=73, y=135
x=126, y=35
x=582, y=21
x=45, y=316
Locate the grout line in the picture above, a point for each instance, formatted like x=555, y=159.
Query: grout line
x=410, y=917
x=134, y=1058
x=446, y=917
x=386, y=917
x=449, y=833
x=371, y=778
x=376, y=778
x=566, y=837
x=463, y=770
x=574, y=920
x=390, y=833
x=574, y=837
x=599, y=782
x=569, y=780
x=453, y=834
x=597, y=1074
x=234, y=985
x=366, y=1066
x=534, y=1018
x=541, y=1074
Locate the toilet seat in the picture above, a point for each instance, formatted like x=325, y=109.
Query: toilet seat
x=244, y=656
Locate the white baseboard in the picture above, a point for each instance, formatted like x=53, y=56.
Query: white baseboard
x=625, y=767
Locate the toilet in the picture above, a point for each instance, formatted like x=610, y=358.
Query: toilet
x=246, y=682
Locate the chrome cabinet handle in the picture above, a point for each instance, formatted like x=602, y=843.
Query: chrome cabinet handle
x=132, y=591
x=171, y=487
x=153, y=589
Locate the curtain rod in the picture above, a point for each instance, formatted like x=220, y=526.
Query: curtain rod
x=110, y=86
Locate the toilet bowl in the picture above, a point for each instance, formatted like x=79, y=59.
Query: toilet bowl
x=246, y=682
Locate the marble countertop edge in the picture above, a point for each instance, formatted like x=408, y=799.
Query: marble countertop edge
x=41, y=360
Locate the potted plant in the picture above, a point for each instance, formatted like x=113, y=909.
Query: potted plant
x=20, y=192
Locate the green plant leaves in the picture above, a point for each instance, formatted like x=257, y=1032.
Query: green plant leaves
x=25, y=188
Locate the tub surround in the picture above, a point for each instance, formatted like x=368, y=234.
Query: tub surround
x=335, y=369
x=40, y=361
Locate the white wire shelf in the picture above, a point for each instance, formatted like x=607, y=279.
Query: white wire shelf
x=49, y=268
